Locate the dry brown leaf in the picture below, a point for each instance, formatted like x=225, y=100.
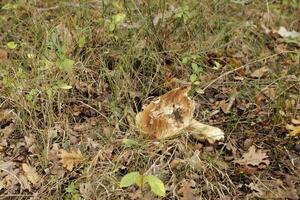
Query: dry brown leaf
x=187, y=191
x=226, y=106
x=25, y=183
x=6, y=114
x=259, y=73
x=171, y=114
x=7, y=130
x=165, y=15
x=31, y=143
x=273, y=189
x=223, y=105
x=3, y=54
x=254, y=157
x=70, y=159
x=86, y=190
x=270, y=92
x=65, y=35
x=31, y=173
x=294, y=129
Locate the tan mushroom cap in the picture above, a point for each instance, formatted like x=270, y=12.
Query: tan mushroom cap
x=167, y=116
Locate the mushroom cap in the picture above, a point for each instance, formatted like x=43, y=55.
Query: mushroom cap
x=167, y=116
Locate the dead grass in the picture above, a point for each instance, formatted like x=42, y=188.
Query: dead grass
x=116, y=72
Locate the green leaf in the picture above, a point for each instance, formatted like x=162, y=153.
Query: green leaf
x=194, y=57
x=130, y=142
x=81, y=41
x=11, y=45
x=72, y=188
x=193, y=77
x=156, y=185
x=185, y=60
x=65, y=64
x=217, y=65
x=118, y=18
x=195, y=68
x=140, y=180
x=200, y=91
x=129, y=179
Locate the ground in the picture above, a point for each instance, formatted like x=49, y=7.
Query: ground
x=73, y=75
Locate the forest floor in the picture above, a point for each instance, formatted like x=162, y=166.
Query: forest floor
x=73, y=75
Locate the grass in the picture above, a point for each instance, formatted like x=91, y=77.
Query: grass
x=121, y=61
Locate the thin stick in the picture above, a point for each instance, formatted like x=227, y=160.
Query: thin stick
x=243, y=66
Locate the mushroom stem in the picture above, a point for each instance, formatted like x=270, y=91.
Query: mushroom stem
x=202, y=131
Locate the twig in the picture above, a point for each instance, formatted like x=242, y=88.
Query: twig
x=242, y=67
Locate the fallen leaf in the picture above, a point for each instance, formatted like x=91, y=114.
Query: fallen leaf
x=31, y=143
x=7, y=166
x=25, y=183
x=270, y=92
x=86, y=190
x=3, y=54
x=7, y=130
x=187, y=191
x=254, y=157
x=64, y=34
x=11, y=45
x=195, y=162
x=283, y=32
x=165, y=15
x=259, y=73
x=6, y=115
x=70, y=159
x=30, y=173
x=176, y=162
x=223, y=105
x=294, y=129
x=272, y=189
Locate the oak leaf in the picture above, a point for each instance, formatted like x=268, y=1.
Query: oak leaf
x=31, y=173
x=272, y=189
x=259, y=73
x=70, y=159
x=254, y=157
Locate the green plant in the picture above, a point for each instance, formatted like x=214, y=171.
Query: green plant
x=72, y=192
x=196, y=68
x=116, y=20
x=183, y=13
x=11, y=45
x=156, y=185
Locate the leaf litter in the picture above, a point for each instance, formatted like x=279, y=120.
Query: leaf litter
x=254, y=157
x=294, y=128
x=245, y=125
x=70, y=159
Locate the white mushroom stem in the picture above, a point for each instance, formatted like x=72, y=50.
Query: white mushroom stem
x=202, y=131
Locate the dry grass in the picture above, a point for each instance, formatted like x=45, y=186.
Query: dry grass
x=115, y=72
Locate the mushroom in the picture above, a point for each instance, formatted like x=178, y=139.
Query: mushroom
x=171, y=115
